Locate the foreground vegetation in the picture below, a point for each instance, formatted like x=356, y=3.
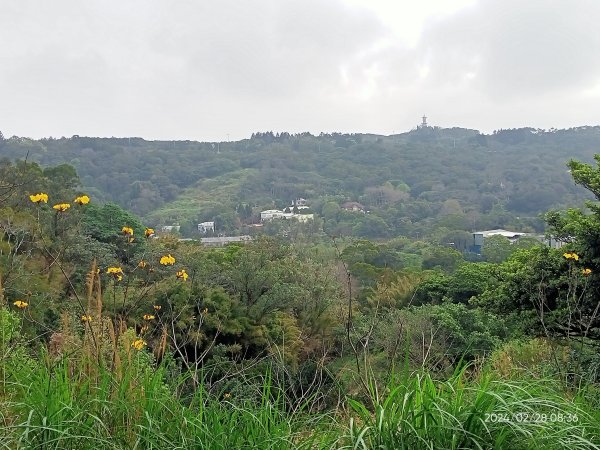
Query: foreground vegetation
x=112, y=337
x=57, y=405
x=78, y=401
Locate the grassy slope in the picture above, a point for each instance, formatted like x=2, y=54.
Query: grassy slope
x=206, y=194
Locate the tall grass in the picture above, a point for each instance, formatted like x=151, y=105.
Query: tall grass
x=420, y=413
x=54, y=408
x=69, y=404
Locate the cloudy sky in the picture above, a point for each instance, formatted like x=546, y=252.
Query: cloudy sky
x=221, y=69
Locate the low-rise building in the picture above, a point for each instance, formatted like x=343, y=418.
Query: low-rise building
x=271, y=214
x=170, y=228
x=221, y=241
x=353, y=206
x=513, y=236
x=302, y=217
x=480, y=236
x=205, y=227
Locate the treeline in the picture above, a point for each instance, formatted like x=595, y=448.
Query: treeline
x=411, y=184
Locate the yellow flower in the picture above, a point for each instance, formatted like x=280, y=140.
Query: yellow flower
x=586, y=272
x=127, y=231
x=61, y=207
x=182, y=275
x=138, y=344
x=149, y=317
x=227, y=395
x=86, y=318
x=167, y=260
x=571, y=255
x=157, y=307
x=39, y=198
x=21, y=304
x=116, y=272
x=82, y=200
x=149, y=232
x=142, y=264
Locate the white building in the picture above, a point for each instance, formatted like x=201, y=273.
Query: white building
x=205, y=227
x=271, y=214
x=224, y=240
x=513, y=236
x=170, y=228
x=354, y=207
x=303, y=217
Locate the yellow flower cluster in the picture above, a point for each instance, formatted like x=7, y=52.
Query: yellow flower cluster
x=82, y=200
x=61, y=207
x=142, y=264
x=127, y=231
x=571, y=255
x=167, y=260
x=116, y=272
x=138, y=344
x=182, y=275
x=86, y=318
x=149, y=232
x=586, y=272
x=21, y=304
x=149, y=317
x=39, y=198
x=157, y=307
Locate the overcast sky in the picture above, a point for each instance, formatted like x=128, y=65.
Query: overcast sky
x=213, y=70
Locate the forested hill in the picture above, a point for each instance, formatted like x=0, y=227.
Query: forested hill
x=449, y=175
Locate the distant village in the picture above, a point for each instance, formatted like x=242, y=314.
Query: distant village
x=299, y=210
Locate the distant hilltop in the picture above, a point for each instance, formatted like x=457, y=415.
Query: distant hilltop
x=455, y=178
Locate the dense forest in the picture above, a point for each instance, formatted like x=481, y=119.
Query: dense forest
x=352, y=331
x=412, y=184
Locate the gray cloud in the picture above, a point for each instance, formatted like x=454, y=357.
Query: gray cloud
x=202, y=70
x=519, y=48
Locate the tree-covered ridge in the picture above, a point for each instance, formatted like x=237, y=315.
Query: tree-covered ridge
x=458, y=178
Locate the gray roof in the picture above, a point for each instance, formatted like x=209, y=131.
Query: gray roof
x=225, y=239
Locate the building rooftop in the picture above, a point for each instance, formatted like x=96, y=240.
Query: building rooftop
x=225, y=239
x=501, y=232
